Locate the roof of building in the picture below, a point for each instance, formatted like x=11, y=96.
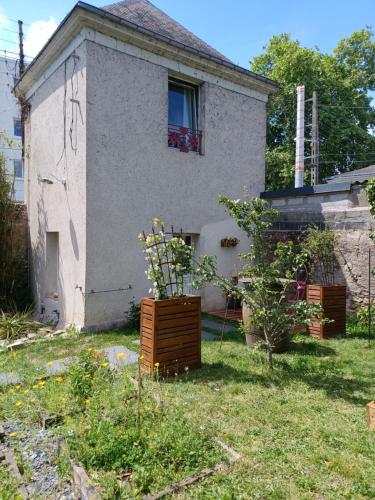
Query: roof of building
x=359, y=175
x=144, y=13
x=153, y=30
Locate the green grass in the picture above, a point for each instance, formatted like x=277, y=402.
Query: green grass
x=301, y=429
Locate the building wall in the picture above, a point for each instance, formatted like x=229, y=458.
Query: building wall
x=132, y=175
x=9, y=110
x=56, y=139
x=348, y=214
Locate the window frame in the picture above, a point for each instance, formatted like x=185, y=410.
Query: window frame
x=22, y=167
x=17, y=121
x=196, y=105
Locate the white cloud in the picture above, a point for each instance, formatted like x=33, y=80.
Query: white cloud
x=37, y=35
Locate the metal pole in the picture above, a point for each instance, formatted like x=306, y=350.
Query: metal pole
x=314, y=141
x=369, y=298
x=300, y=138
x=20, y=39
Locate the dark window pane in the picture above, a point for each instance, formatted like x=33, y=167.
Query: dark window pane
x=18, y=168
x=17, y=128
x=182, y=105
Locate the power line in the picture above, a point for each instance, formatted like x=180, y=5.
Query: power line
x=15, y=53
x=344, y=107
x=8, y=41
x=351, y=162
x=10, y=31
x=5, y=18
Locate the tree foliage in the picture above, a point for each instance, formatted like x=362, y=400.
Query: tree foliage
x=343, y=81
x=271, y=272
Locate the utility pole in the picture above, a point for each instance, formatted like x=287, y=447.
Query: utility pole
x=314, y=141
x=300, y=138
x=21, y=101
x=22, y=56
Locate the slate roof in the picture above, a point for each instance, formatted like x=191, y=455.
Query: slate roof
x=145, y=14
x=359, y=175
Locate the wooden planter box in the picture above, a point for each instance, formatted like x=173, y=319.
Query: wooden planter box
x=371, y=415
x=333, y=300
x=171, y=334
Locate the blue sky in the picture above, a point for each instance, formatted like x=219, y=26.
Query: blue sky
x=238, y=28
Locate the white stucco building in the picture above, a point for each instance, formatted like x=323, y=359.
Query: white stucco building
x=10, y=125
x=132, y=117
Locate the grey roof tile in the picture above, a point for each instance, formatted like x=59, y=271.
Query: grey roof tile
x=145, y=14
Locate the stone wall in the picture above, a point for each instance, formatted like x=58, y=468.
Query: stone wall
x=346, y=211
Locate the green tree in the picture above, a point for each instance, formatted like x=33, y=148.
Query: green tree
x=343, y=81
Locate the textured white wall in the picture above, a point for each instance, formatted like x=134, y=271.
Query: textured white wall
x=132, y=175
x=58, y=154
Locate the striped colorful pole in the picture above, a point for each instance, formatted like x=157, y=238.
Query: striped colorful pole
x=300, y=137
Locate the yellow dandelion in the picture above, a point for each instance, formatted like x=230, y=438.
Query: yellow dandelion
x=49, y=363
x=59, y=379
x=14, y=354
x=157, y=365
x=12, y=434
x=26, y=391
x=90, y=349
x=18, y=387
x=18, y=404
x=87, y=376
x=105, y=364
x=32, y=400
x=87, y=401
x=141, y=357
x=35, y=386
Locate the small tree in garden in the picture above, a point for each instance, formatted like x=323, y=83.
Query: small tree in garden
x=169, y=260
x=319, y=246
x=271, y=273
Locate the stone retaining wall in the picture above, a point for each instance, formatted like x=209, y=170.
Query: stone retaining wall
x=347, y=212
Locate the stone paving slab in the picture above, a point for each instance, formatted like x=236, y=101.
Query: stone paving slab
x=59, y=366
x=209, y=336
x=228, y=327
x=9, y=378
x=117, y=356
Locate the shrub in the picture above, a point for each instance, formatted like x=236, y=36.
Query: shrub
x=17, y=325
x=319, y=246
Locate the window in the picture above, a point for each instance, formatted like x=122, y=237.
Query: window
x=182, y=104
x=18, y=168
x=17, y=132
x=183, y=116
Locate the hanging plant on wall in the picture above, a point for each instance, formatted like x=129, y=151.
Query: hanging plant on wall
x=229, y=242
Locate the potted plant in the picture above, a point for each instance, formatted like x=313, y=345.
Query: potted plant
x=319, y=246
x=266, y=276
x=170, y=320
x=229, y=242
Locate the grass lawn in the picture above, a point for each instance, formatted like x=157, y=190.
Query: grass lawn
x=301, y=429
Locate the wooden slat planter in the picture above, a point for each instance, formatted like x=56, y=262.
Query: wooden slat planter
x=171, y=334
x=333, y=300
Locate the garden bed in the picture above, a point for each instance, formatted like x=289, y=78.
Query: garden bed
x=302, y=430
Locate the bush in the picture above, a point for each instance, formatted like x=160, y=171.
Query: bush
x=15, y=326
x=362, y=315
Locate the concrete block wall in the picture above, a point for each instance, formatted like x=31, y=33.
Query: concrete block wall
x=348, y=214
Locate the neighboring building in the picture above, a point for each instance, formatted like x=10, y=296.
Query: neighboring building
x=132, y=117
x=360, y=175
x=10, y=125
